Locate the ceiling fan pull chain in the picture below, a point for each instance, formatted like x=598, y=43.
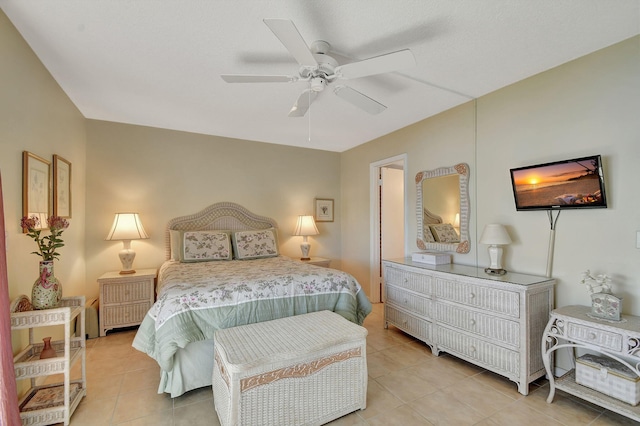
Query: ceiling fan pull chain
x=309, y=94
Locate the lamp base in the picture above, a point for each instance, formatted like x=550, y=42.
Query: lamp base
x=305, y=258
x=130, y=271
x=492, y=271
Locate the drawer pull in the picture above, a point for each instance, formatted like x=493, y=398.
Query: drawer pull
x=406, y=301
x=472, y=349
x=406, y=280
x=472, y=321
x=592, y=336
x=472, y=296
x=405, y=322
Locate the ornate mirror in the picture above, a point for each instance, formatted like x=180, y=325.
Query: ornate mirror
x=442, y=207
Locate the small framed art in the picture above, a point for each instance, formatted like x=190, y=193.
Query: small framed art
x=61, y=187
x=323, y=209
x=36, y=184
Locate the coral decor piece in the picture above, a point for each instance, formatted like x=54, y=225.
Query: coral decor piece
x=604, y=305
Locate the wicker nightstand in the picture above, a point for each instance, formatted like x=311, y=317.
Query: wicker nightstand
x=125, y=299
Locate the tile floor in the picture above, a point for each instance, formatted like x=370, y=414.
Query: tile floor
x=407, y=386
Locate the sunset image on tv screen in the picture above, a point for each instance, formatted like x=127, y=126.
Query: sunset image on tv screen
x=564, y=184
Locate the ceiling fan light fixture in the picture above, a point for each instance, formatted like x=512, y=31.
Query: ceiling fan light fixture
x=317, y=84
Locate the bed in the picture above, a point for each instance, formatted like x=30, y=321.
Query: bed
x=223, y=269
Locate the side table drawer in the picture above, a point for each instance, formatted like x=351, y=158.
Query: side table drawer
x=130, y=291
x=117, y=315
x=586, y=334
x=419, y=305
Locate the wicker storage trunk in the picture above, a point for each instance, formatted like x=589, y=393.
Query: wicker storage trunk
x=608, y=376
x=303, y=370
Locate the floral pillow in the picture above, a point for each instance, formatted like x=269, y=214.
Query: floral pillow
x=444, y=233
x=200, y=246
x=428, y=235
x=255, y=244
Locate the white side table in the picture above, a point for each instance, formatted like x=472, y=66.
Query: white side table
x=571, y=327
x=125, y=299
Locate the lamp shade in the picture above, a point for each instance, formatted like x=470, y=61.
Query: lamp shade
x=495, y=234
x=305, y=226
x=127, y=226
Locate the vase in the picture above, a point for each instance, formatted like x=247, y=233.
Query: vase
x=47, y=290
x=47, y=350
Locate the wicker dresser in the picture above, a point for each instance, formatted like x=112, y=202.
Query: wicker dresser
x=125, y=299
x=495, y=322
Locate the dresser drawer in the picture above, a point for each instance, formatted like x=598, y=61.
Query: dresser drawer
x=406, y=300
x=602, y=338
x=418, y=282
x=129, y=291
x=483, y=353
x=415, y=326
x=487, y=326
x=490, y=299
x=118, y=315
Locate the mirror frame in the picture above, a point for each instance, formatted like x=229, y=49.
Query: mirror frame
x=462, y=170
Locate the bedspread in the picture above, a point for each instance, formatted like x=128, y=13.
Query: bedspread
x=196, y=299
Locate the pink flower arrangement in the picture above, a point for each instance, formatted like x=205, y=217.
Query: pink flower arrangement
x=48, y=244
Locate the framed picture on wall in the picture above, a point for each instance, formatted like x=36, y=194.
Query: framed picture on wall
x=61, y=187
x=36, y=184
x=323, y=209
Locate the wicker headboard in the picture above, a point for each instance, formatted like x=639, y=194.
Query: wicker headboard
x=225, y=215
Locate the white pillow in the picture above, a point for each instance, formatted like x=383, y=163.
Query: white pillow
x=200, y=246
x=255, y=244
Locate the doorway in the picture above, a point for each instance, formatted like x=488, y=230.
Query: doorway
x=388, y=224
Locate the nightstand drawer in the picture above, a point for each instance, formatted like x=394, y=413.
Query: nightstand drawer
x=119, y=315
x=131, y=291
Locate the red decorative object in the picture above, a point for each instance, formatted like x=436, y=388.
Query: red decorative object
x=47, y=351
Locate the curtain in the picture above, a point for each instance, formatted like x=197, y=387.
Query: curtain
x=9, y=413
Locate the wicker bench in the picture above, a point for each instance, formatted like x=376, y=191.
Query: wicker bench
x=303, y=370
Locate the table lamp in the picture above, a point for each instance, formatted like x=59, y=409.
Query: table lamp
x=495, y=236
x=306, y=226
x=127, y=227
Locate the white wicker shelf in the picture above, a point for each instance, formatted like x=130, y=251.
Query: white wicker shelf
x=568, y=384
x=66, y=395
x=571, y=327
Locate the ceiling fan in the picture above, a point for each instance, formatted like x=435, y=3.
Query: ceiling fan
x=319, y=69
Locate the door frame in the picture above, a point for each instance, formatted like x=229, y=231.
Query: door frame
x=374, y=219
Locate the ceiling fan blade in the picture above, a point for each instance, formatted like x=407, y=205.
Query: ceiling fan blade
x=358, y=99
x=240, y=78
x=377, y=65
x=290, y=37
x=301, y=106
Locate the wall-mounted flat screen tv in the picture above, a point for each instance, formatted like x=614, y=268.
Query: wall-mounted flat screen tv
x=567, y=184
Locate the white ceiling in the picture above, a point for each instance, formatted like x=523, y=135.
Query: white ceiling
x=158, y=63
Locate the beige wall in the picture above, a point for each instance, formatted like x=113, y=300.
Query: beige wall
x=163, y=174
x=37, y=116
x=588, y=106
x=444, y=140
